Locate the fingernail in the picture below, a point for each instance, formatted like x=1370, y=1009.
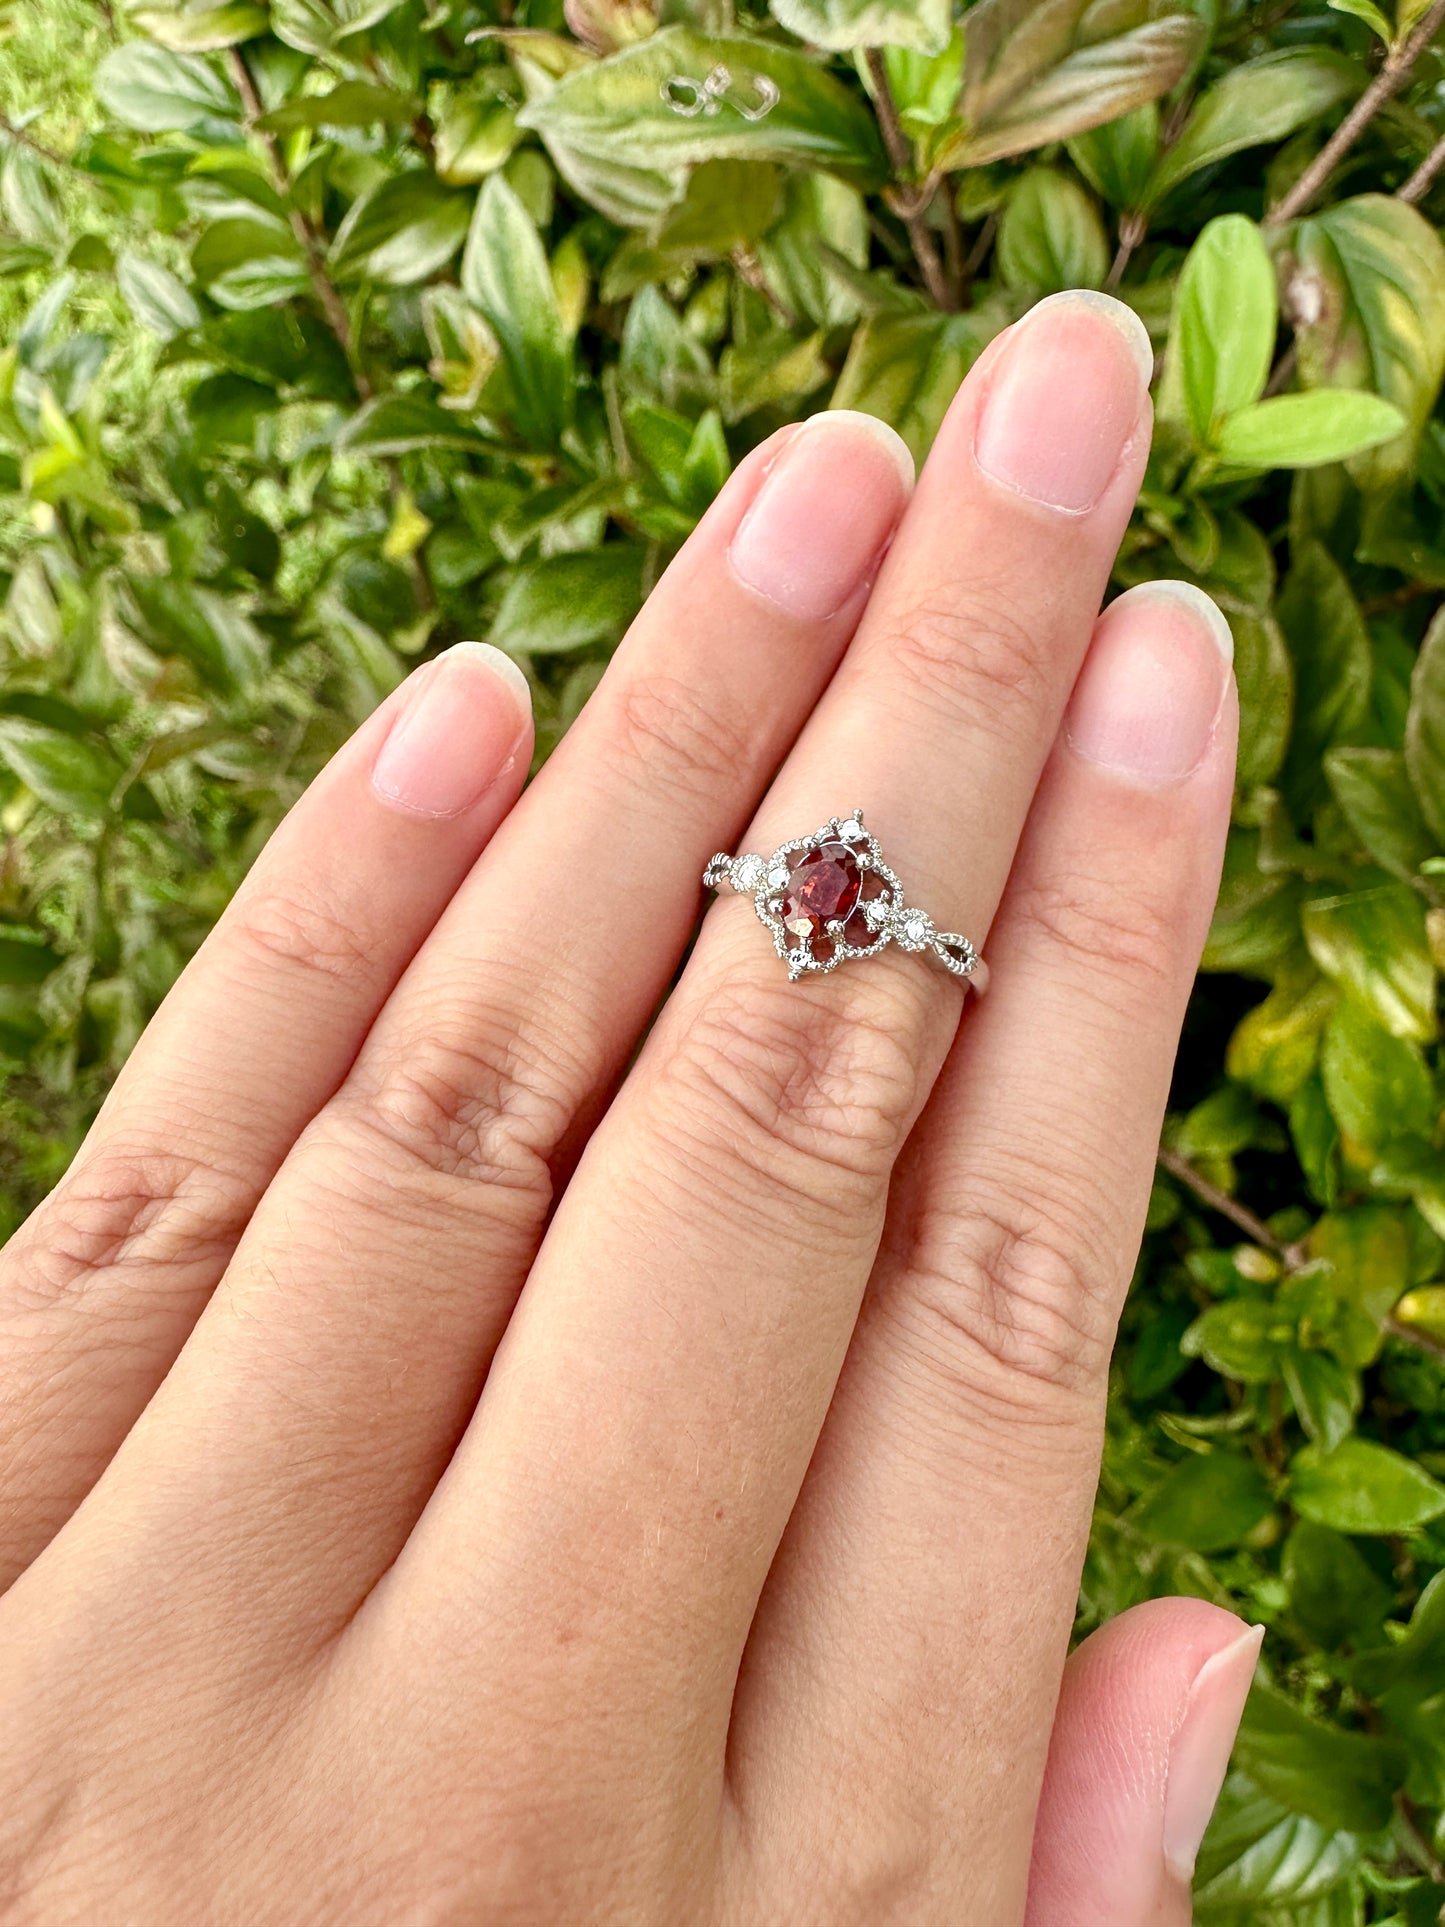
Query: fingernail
x=458, y=730
x=1148, y=699
x=816, y=530
x=1199, y=1753
x=1064, y=399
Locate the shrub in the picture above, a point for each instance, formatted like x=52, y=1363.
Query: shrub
x=339, y=329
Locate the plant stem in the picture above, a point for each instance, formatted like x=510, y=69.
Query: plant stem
x=749, y=268
x=1415, y=1839
x=1239, y=1215
x=1398, y=61
x=332, y=306
x=1423, y=179
x=955, y=265
x=1132, y=229
x=22, y=139
x=907, y=202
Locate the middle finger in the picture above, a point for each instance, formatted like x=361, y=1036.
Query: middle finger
x=689, y=1311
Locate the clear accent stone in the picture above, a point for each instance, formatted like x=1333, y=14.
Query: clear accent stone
x=915, y=930
x=749, y=872
x=852, y=831
x=778, y=876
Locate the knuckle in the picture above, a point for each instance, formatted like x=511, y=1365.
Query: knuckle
x=1015, y=1298
x=301, y=931
x=798, y=1096
x=1127, y=941
x=980, y=662
x=666, y=723
x=131, y=1211
x=484, y=1098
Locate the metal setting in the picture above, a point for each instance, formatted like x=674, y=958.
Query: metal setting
x=880, y=906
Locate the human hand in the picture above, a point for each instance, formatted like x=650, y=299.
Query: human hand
x=435, y=1489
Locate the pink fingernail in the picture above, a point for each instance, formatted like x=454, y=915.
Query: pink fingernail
x=1148, y=699
x=1199, y=1753
x=815, y=532
x=459, y=729
x=1065, y=399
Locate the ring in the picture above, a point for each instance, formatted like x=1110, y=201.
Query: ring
x=830, y=897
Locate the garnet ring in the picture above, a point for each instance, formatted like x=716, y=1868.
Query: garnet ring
x=829, y=897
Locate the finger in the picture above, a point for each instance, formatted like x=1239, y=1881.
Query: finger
x=341, y=1358
x=961, y=1454
x=689, y=1311
x=100, y=1288
x=1146, y=1719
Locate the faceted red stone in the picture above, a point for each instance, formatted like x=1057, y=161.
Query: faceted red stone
x=822, y=888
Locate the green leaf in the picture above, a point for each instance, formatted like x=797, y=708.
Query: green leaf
x=1275, y=1046
x=179, y=618
x=1243, y=1338
x=1334, y=667
x=841, y=25
x=1374, y=943
x=906, y=369
x=401, y=424
x=1043, y=70
x=1425, y=727
x=1118, y=158
x=159, y=301
x=71, y=776
x=646, y=107
x=1377, y=1085
x=350, y=103
x=474, y=137
x=1205, y=1503
x=1265, y=675
x=1361, y=1259
x=1050, y=236
x=570, y=601
x=201, y=29
x=1366, y=291
x=1340, y=1779
x=505, y=275
x=159, y=92
x=823, y=227
x=402, y=231
x=1367, y=11
x=1221, y=339
x=1301, y=431
x=1373, y=788
x=1326, y=1395
x=1362, y=1487
x=1261, y=100
x=1334, y=1593
x=1258, y=1856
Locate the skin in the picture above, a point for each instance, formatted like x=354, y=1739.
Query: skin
x=458, y=1468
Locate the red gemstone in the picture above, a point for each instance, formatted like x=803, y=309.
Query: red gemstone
x=822, y=888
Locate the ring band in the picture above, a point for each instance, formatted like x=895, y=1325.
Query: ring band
x=830, y=897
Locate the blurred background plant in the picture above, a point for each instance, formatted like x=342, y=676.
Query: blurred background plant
x=335, y=330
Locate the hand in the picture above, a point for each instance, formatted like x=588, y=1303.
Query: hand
x=393, y=1534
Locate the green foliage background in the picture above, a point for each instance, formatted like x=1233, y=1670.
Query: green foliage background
x=334, y=330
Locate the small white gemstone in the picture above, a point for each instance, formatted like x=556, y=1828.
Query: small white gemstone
x=852, y=831
x=915, y=929
x=778, y=875
x=749, y=873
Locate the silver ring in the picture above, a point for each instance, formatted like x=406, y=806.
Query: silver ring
x=830, y=897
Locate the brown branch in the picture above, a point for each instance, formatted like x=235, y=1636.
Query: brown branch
x=978, y=253
x=954, y=263
x=1132, y=229
x=1423, y=179
x=22, y=139
x=1419, y=1847
x=1282, y=374
x=1239, y=1215
x=906, y=200
x=749, y=268
x=1393, y=73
